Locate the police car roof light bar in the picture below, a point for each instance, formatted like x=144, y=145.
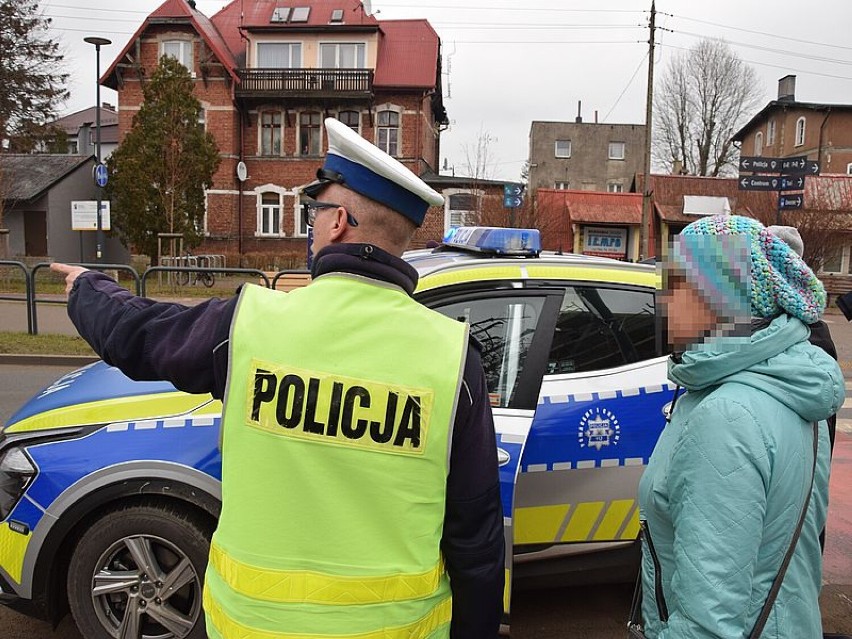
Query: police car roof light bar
x=494, y=240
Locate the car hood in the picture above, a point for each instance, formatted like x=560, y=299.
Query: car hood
x=99, y=394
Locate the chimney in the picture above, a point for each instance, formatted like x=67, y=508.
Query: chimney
x=579, y=118
x=84, y=139
x=108, y=106
x=787, y=88
x=677, y=167
x=596, y=116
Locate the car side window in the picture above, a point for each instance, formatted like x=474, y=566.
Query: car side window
x=600, y=328
x=505, y=326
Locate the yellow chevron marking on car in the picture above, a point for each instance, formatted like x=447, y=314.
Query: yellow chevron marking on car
x=631, y=530
x=13, y=547
x=537, y=524
x=539, y=272
x=467, y=274
x=138, y=407
x=586, y=521
x=582, y=521
x=613, y=520
x=592, y=274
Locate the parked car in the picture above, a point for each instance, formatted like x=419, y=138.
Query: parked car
x=110, y=489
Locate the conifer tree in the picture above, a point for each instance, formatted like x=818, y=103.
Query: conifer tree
x=160, y=170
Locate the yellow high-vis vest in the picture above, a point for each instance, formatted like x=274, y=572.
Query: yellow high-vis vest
x=335, y=452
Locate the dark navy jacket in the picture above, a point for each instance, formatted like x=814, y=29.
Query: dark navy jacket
x=188, y=346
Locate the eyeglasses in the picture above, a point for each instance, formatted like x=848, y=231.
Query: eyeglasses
x=311, y=209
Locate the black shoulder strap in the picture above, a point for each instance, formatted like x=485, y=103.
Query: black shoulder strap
x=776, y=585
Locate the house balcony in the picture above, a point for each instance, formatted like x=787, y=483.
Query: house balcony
x=305, y=84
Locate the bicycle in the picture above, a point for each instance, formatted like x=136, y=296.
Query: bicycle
x=207, y=278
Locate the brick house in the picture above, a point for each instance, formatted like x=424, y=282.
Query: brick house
x=787, y=128
x=267, y=76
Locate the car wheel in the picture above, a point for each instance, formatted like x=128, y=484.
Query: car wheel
x=137, y=573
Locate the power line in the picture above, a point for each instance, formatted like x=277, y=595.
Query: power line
x=627, y=86
x=817, y=58
x=89, y=18
x=492, y=9
x=776, y=66
x=497, y=25
x=763, y=33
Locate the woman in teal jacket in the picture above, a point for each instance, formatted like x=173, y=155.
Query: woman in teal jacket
x=727, y=481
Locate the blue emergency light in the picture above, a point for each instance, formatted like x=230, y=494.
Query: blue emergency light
x=494, y=240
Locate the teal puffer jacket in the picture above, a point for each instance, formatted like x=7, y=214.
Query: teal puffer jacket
x=725, y=485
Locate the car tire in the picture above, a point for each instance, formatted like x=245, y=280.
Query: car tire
x=137, y=573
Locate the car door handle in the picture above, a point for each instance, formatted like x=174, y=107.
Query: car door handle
x=502, y=457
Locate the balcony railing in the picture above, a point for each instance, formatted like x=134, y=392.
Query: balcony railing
x=305, y=83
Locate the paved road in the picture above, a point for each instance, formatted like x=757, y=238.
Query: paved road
x=597, y=612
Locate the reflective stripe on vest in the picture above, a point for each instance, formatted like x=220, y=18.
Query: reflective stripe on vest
x=296, y=586
x=422, y=628
x=335, y=453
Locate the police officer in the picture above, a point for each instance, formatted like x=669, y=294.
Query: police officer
x=360, y=494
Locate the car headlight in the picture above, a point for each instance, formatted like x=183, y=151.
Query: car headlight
x=16, y=471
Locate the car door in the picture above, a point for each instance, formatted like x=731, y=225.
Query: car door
x=599, y=414
x=514, y=328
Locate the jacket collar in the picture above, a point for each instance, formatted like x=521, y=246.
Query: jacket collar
x=365, y=260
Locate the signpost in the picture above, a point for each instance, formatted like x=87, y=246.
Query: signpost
x=791, y=174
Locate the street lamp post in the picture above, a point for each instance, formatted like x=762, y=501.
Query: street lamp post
x=99, y=174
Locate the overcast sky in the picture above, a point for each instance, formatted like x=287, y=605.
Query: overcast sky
x=509, y=63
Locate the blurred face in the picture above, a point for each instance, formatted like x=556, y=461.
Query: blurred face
x=688, y=317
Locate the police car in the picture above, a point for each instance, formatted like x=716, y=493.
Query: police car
x=109, y=488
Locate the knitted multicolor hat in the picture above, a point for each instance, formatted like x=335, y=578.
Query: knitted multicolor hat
x=774, y=280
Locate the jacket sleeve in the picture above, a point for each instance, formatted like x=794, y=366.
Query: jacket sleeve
x=473, y=542
x=717, y=484
x=149, y=340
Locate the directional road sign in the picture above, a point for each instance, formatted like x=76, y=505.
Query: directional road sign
x=759, y=183
x=758, y=164
x=799, y=166
x=786, y=202
x=513, y=195
x=792, y=183
x=100, y=175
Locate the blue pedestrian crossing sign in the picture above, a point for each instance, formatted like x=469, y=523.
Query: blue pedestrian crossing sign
x=100, y=174
x=513, y=195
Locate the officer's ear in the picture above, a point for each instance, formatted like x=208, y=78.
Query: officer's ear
x=338, y=226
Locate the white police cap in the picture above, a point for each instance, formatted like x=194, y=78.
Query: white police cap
x=364, y=168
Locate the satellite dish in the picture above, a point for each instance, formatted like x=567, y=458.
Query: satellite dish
x=368, y=9
x=242, y=171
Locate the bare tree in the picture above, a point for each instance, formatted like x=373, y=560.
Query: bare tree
x=705, y=96
x=479, y=158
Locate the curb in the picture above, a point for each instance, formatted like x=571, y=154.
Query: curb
x=47, y=360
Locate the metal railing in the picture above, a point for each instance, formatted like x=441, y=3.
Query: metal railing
x=31, y=299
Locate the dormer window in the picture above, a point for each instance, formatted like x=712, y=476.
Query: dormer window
x=281, y=14
x=336, y=16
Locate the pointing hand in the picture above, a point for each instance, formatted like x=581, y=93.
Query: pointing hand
x=70, y=272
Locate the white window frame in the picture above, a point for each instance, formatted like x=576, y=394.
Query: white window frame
x=448, y=212
x=398, y=111
x=556, y=152
x=337, y=45
x=849, y=169
x=265, y=190
x=562, y=185
x=770, y=133
x=612, y=156
x=758, y=143
x=801, y=125
x=294, y=64
x=614, y=187
x=185, y=57
x=844, y=262
x=260, y=115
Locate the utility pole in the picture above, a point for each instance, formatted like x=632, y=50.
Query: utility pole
x=644, y=249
